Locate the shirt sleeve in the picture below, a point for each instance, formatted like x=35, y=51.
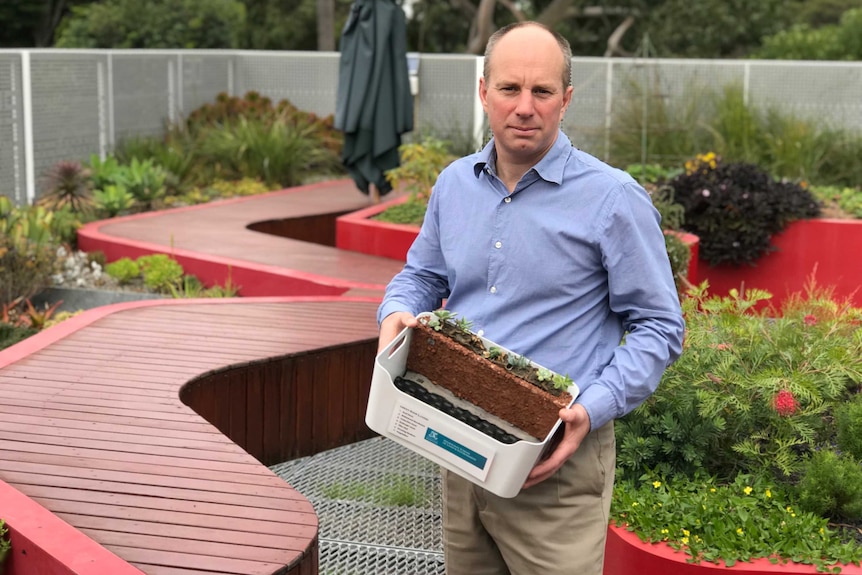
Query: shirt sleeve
x=422, y=284
x=643, y=294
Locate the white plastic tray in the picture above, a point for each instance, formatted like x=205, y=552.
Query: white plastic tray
x=498, y=467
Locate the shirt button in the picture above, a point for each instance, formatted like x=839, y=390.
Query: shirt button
x=508, y=199
x=498, y=245
x=493, y=289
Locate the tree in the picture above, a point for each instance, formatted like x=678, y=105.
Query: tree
x=326, y=25
x=154, y=24
x=32, y=23
x=294, y=24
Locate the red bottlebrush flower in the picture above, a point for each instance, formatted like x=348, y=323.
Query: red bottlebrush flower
x=784, y=403
x=810, y=319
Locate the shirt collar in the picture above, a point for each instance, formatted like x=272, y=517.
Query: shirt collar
x=550, y=168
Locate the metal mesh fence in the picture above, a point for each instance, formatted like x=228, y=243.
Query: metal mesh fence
x=379, y=506
x=69, y=108
x=11, y=130
x=85, y=102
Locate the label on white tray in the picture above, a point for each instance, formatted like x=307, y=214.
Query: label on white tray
x=441, y=439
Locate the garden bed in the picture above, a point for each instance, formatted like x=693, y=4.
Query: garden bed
x=625, y=554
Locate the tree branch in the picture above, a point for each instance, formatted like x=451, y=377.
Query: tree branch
x=484, y=27
x=519, y=16
x=614, y=48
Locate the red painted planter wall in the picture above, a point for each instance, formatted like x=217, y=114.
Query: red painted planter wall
x=357, y=232
x=829, y=248
x=626, y=554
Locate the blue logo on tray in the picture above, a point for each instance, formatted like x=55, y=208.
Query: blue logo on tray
x=455, y=448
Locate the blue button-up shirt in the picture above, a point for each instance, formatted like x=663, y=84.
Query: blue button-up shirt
x=559, y=271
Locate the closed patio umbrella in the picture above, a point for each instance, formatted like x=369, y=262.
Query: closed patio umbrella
x=374, y=106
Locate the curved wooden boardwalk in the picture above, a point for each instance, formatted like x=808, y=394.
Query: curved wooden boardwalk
x=148, y=426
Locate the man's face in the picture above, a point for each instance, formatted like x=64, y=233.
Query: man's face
x=524, y=95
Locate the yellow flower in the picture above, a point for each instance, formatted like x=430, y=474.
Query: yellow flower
x=634, y=503
x=664, y=531
x=684, y=540
x=656, y=484
x=712, y=489
x=739, y=531
x=748, y=490
x=768, y=493
x=686, y=532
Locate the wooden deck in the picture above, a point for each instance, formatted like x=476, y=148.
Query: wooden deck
x=92, y=426
x=280, y=243
x=136, y=437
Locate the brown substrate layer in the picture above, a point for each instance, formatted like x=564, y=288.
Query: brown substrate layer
x=483, y=383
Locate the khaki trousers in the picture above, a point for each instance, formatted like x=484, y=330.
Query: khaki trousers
x=557, y=527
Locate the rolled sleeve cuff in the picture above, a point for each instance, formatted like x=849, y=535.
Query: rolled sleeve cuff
x=388, y=308
x=600, y=405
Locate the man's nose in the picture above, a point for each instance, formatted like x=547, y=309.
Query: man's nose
x=525, y=105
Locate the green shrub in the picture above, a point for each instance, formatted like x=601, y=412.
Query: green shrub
x=649, y=128
x=847, y=200
x=848, y=422
x=26, y=251
x=160, y=271
x=145, y=181
x=107, y=172
x=420, y=163
x=832, y=486
x=174, y=153
x=653, y=131
x=735, y=208
x=829, y=42
x=192, y=24
x=750, y=390
x=111, y=201
x=12, y=334
x=124, y=270
x=278, y=153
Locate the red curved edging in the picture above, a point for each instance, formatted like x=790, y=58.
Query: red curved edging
x=830, y=249
x=626, y=554
x=44, y=544
x=253, y=278
x=357, y=232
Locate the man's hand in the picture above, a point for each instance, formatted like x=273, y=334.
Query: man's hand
x=392, y=325
x=577, y=424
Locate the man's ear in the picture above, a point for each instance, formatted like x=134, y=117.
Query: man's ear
x=483, y=93
x=567, y=99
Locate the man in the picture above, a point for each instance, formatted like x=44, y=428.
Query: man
x=557, y=256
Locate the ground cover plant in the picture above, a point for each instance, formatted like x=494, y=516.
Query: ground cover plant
x=748, y=448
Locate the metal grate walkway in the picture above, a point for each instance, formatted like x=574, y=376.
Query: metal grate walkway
x=379, y=506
